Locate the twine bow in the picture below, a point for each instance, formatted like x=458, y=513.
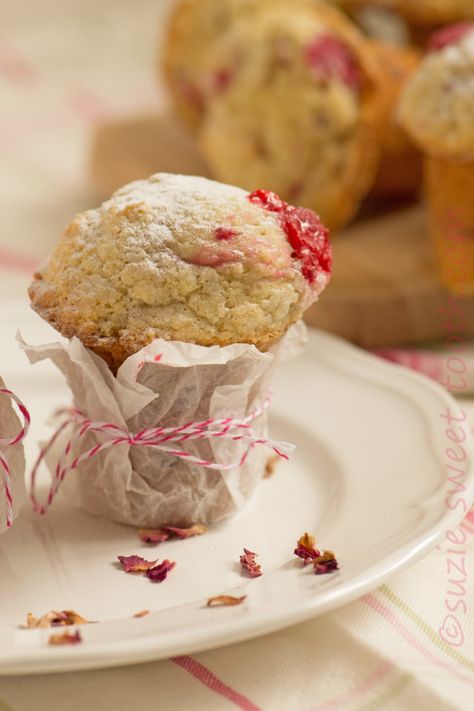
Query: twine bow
x=161, y=438
x=10, y=442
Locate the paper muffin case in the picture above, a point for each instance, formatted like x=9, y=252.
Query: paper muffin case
x=12, y=460
x=450, y=191
x=166, y=384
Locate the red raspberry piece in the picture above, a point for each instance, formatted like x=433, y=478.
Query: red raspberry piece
x=449, y=35
x=305, y=232
x=330, y=58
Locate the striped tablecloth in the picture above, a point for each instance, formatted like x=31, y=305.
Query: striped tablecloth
x=63, y=67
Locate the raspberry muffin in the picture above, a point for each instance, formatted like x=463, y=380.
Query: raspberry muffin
x=194, y=28
x=437, y=109
x=301, y=110
x=186, y=259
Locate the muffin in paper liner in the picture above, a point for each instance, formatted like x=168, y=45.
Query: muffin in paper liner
x=13, y=456
x=168, y=384
x=437, y=110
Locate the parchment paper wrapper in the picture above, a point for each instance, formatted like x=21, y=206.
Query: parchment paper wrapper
x=145, y=487
x=9, y=426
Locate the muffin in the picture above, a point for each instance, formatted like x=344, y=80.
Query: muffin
x=301, y=111
x=400, y=172
x=12, y=458
x=186, y=288
x=183, y=258
x=437, y=109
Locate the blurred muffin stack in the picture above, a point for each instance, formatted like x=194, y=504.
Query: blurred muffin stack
x=294, y=96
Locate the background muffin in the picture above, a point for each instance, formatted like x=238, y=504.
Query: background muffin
x=183, y=258
x=437, y=109
x=300, y=112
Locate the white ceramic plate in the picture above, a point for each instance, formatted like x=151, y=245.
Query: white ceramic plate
x=368, y=478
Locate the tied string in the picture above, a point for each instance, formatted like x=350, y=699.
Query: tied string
x=161, y=438
x=11, y=442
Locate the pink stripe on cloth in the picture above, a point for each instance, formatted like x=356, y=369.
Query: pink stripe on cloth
x=15, y=67
x=206, y=677
x=430, y=364
x=17, y=262
x=410, y=638
x=379, y=673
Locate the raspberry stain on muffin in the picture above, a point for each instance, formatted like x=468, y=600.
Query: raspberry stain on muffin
x=331, y=58
x=449, y=35
x=305, y=232
x=224, y=234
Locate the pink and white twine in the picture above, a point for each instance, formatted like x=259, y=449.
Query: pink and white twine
x=161, y=438
x=11, y=442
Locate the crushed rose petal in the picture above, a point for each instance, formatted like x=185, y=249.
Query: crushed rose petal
x=305, y=548
x=54, y=619
x=270, y=466
x=325, y=563
x=182, y=533
x=159, y=535
x=152, y=535
x=225, y=600
x=135, y=564
x=142, y=613
x=160, y=571
x=249, y=564
x=65, y=638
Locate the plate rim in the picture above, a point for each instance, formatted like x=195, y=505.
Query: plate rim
x=161, y=645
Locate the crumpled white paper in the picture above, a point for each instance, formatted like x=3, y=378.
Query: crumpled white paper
x=9, y=426
x=145, y=487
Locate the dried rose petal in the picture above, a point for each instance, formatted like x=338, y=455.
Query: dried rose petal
x=153, y=535
x=325, y=563
x=65, y=638
x=55, y=619
x=159, y=535
x=135, y=564
x=160, y=571
x=225, y=600
x=305, y=548
x=182, y=533
x=270, y=466
x=142, y=613
x=249, y=564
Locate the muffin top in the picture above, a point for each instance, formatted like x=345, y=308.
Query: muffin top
x=437, y=105
x=183, y=258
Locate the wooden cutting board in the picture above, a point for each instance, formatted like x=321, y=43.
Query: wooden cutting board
x=385, y=289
